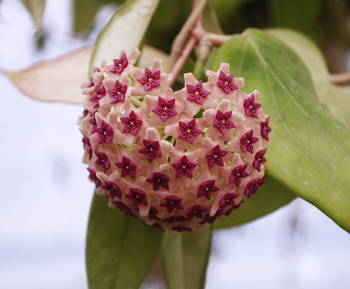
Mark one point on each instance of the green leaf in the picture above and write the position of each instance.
(270, 197)
(120, 250)
(309, 150)
(185, 258)
(36, 9)
(336, 98)
(124, 30)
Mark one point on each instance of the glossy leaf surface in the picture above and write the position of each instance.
(124, 31)
(120, 250)
(309, 150)
(336, 98)
(185, 258)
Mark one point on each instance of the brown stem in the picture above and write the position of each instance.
(340, 78)
(198, 6)
(182, 59)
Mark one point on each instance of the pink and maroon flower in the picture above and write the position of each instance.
(253, 186)
(222, 121)
(226, 82)
(120, 64)
(196, 211)
(188, 131)
(196, 93)
(113, 190)
(150, 79)
(251, 107)
(165, 109)
(104, 131)
(151, 149)
(265, 129)
(171, 203)
(215, 156)
(132, 124)
(259, 159)
(137, 196)
(237, 174)
(118, 92)
(87, 146)
(228, 200)
(93, 177)
(102, 160)
(128, 167)
(247, 141)
(159, 180)
(183, 167)
(206, 188)
(131, 149)
(100, 92)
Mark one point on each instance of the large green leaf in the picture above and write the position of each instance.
(124, 31)
(336, 98)
(309, 150)
(120, 250)
(271, 196)
(185, 258)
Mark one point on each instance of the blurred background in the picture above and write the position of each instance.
(45, 195)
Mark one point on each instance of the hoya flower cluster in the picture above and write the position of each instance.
(177, 159)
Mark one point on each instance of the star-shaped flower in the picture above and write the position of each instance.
(102, 160)
(100, 92)
(253, 186)
(251, 107)
(206, 188)
(215, 156)
(113, 190)
(226, 82)
(183, 167)
(150, 79)
(222, 121)
(259, 159)
(172, 203)
(120, 64)
(137, 196)
(151, 149)
(132, 124)
(227, 200)
(93, 177)
(159, 180)
(265, 129)
(196, 211)
(247, 141)
(165, 109)
(128, 167)
(197, 93)
(104, 131)
(118, 92)
(188, 131)
(87, 146)
(237, 174)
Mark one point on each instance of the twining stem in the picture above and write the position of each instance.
(340, 78)
(198, 6)
(182, 59)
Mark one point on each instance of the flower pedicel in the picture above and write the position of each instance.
(177, 159)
